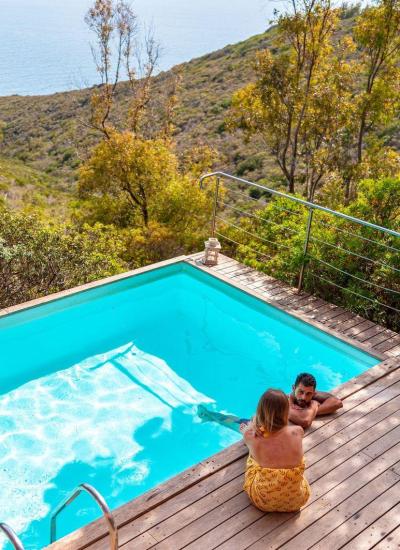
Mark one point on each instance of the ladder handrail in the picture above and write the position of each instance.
(102, 504)
(12, 536)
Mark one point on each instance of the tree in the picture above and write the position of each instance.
(127, 165)
(119, 54)
(37, 259)
(144, 176)
(377, 36)
(300, 100)
(321, 112)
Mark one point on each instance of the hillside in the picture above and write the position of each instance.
(49, 134)
(23, 186)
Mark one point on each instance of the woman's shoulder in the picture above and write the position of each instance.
(294, 431)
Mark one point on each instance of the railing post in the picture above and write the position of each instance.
(305, 249)
(213, 222)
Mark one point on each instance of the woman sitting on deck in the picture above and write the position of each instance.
(274, 477)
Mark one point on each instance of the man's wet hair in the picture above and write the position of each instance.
(306, 379)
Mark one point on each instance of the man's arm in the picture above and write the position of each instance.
(303, 417)
(328, 403)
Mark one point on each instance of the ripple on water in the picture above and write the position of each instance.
(83, 422)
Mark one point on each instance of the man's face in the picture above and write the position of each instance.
(303, 394)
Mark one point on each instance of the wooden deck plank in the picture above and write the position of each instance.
(312, 306)
(201, 493)
(383, 336)
(357, 428)
(329, 314)
(358, 329)
(257, 533)
(370, 333)
(395, 352)
(377, 447)
(381, 493)
(391, 541)
(389, 344)
(338, 321)
(325, 499)
(377, 531)
(391, 386)
(205, 523)
(186, 533)
(356, 405)
(353, 322)
(333, 455)
(356, 520)
(212, 501)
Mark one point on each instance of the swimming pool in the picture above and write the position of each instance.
(102, 386)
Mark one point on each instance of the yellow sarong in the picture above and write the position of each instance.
(276, 489)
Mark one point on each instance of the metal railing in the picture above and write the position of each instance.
(305, 227)
(11, 535)
(102, 504)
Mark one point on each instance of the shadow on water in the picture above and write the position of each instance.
(80, 512)
(159, 440)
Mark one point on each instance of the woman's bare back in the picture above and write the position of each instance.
(282, 449)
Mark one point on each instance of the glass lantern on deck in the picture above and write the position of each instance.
(212, 249)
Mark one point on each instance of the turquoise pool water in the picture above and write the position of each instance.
(103, 387)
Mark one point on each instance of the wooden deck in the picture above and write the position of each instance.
(353, 462)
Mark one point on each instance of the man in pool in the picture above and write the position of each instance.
(305, 403)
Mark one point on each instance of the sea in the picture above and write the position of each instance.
(45, 45)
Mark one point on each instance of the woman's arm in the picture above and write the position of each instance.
(250, 435)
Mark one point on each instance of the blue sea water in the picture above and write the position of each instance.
(44, 44)
(103, 386)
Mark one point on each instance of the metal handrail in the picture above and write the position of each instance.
(11, 535)
(102, 504)
(310, 205)
(311, 208)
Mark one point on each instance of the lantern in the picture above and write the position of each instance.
(212, 248)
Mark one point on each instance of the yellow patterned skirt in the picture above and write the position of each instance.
(276, 489)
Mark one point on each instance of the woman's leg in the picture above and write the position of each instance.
(227, 420)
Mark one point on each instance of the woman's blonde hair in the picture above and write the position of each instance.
(272, 411)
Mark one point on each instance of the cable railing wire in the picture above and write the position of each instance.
(250, 210)
(394, 249)
(242, 244)
(265, 203)
(374, 301)
(260, 201)
(347, 251)
(252, 234)
(293, 231)
(250, 214)
(353, 276)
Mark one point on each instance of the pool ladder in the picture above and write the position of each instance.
(11, 535)
(102, 504)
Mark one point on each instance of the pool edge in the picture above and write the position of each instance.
(88, 286)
